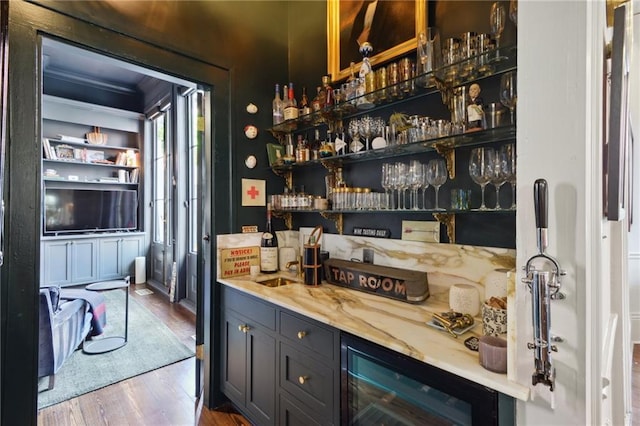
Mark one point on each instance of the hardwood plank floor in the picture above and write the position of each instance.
(165, 396)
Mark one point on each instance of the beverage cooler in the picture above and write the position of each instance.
(383, 387)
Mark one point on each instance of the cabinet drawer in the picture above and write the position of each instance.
(249, 307)
(308, 335)
(292, 414)
(311, 381)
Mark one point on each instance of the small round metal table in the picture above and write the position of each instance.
(110, 343)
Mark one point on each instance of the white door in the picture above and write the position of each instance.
(560, 133)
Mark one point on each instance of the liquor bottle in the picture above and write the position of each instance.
(278, 116)
(328, 91)
(291, 107)
(305, 108)
(268, 247)
(318, 102)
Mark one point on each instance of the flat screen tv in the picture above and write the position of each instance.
(84, 210)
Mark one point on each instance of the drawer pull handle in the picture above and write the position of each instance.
(244, 328)
(303, 379)
(301, 334)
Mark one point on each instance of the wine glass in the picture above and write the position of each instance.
(496, 19)
(353, 129)
(437, 176)
(400, 173)
(508, 155)
(509, 92)
(387, 180)
(365, 128)
(424, 186)
(513, 12)
(415, 181)
(478, 166)
(499, 173)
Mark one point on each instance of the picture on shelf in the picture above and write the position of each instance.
(64, 152)
(93, 156)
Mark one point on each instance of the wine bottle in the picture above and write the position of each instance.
(278, 116)
(268, 247)
(291, 107)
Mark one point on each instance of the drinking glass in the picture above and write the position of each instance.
(387, 180)
(437, 176)
(400, 177)
(496, 20)
(479, 170)
(415, 181)
(513, 11)
(353, 130)
(508, 154)
(509, 92)
(499, 174)
(425, 185)
(365, 128)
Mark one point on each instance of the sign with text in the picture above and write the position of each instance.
(395, 283)
(238, 261)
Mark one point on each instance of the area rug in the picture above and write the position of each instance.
(151, 345)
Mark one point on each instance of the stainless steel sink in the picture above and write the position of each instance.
(276, 282)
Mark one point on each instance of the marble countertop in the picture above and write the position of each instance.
(396, 325)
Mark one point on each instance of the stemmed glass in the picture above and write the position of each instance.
(415, 181)
(500, 171)
(480, 170)
(387, 182)
(425, 185)
(437, 176)
(365, 128)
(508, 155)
(400, 174)
(509, 92)
(355, 144)
(513, 11)
(496, 19)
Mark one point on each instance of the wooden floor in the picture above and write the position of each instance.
(162, 397)
(167, 396)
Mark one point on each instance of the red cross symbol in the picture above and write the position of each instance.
(253, 192)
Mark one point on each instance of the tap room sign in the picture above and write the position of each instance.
(238, 261)
(395, 283)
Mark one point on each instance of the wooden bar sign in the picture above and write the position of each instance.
(395, 283)
(238, 261)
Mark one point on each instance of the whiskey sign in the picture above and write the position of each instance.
(238, 261)
(395, 283)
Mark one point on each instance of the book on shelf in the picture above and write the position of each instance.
(49, 152)
(133, 176)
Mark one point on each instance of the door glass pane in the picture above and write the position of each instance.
(196, 133)
(159, 177)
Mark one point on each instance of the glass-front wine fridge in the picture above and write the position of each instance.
(384, 387)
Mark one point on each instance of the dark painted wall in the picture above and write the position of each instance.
(246, 41)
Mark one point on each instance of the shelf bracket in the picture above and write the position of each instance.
(449, 155)
(336, 218)
(288, 221)
(448, 220)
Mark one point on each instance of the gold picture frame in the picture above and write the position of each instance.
(339, 24)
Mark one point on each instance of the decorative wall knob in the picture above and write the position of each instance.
(301, 334)
(303, 379)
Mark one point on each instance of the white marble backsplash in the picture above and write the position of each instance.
(445, 264)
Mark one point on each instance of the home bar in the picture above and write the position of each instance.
(438, 248)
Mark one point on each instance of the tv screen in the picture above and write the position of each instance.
(83, 210)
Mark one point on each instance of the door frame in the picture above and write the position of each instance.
(27, 22)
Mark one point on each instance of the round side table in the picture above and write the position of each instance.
(110, 343)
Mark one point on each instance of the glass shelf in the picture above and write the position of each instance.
(395, 212)
(447, 78)
(448, 142)
(64, 180)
